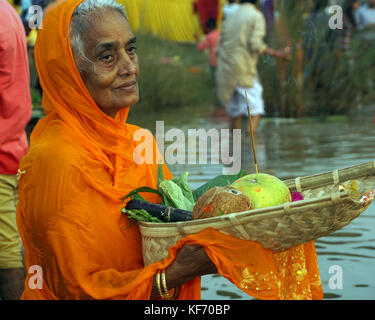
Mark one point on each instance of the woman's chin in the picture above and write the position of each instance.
(130, 100)
(127, 102)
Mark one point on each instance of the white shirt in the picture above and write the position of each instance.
(229, 8)
(365, 16)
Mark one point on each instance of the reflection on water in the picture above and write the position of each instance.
(290, 148)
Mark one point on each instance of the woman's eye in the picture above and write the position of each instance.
(107, 58)
(132, 50)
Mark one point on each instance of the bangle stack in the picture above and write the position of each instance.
(163, 287)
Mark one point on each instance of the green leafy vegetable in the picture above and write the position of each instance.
(182, 182)
(175, 194)
(165, 200)
(140, 215)
(219, 181)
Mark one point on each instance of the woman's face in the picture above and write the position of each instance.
(111, 78)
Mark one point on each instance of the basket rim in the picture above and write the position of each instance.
(262, 213)
(331, 177)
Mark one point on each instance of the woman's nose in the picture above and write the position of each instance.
(128, 65)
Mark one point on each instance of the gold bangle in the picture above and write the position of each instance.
(158, 285)
(164, 283)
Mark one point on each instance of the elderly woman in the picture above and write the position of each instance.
(80, 165)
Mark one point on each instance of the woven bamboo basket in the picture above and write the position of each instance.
(331, 201)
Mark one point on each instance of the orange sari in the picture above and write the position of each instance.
(79, 167)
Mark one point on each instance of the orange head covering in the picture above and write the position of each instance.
(66, 97)
(79, 167)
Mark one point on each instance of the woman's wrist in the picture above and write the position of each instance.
(170, 278)
(191, 262)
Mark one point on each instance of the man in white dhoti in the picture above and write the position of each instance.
(241, 43)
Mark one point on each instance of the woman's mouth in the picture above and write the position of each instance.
(128, 86)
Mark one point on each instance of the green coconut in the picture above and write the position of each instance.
(263, 190)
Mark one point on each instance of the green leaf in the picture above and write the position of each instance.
(160, 174)
(141, 189)
(137, 196)
(182, 182)
(219, 181)
(174, 193)
(165, 200)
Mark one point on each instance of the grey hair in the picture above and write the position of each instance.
(81, 22)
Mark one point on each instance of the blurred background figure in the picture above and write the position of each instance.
(241, 42)
(349, 29)
(206, 9)
(287, 36)
(319, 46)
(31, 31)
(365, 18)
(26, 13)
(15, 113)
(230, 7)
(210, 43)
(345, 50)
(25, 5)
(365, 21)
(317, 35)
(267, 7)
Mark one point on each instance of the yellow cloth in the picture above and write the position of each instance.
(10, 241)
(168, 19)
(31, 38)
(241, 42)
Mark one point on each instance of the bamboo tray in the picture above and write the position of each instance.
(327, 207)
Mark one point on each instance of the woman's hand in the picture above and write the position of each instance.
(191, 262)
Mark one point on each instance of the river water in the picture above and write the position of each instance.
(290, 148)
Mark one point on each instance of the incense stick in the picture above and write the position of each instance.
(252, 135)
